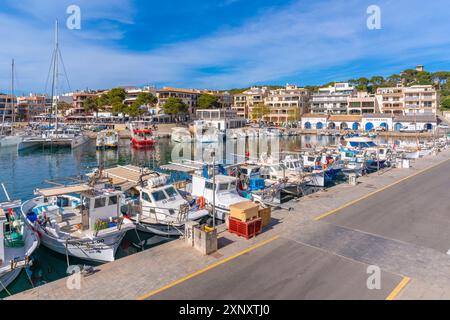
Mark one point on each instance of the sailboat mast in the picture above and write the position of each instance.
(55, 77)
(13, 106)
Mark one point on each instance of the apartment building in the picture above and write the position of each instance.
(6, 107)
(333, 99)
(244, 102)
(287, 105)
(362, 103)
(79, 98)
(420, 99)
(133, 93)
(31, 106)
(188, 96)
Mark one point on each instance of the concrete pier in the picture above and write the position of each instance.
(326, 248)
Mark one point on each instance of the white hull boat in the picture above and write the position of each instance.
(181, 135)
(10, 141)
(89, 228)
(17, 243)
(107, 139)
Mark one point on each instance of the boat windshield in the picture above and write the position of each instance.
(171, 192)
(159, 195)
(368, 144)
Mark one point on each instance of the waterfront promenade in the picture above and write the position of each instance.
(396, 220)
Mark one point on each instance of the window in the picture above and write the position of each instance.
(209, 185)
(112, 200)
(171, 192)
(159, 195)
(146, 197)
(233, 185)
(100, 203)
(223, 186)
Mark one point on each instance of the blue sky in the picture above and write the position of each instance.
(220, 43)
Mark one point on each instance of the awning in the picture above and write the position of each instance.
(128, 176)
(51, 192)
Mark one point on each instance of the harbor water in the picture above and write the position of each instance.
(22, 172)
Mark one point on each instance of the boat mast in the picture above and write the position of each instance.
(13, 106)
(55, 78)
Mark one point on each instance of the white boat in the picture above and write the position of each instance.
(158, 208)
(232, 134)
(88, 227)
(204, 133)
(241, 133)
(181, 135)
(107, 139)
(10, 141)
(17, 243)
(224, 195)
(273, 132)
(61, 137)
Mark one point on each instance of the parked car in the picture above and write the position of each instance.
(443, 126)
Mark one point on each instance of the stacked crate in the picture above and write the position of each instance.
(244, 219)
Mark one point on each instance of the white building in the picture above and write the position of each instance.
(314, 121)
(221, 119)
(286, 105)
(418, 122)
(333, 99)
(374, 121)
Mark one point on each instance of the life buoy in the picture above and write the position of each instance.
(200, 202)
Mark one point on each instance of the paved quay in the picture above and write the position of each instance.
(395, 220)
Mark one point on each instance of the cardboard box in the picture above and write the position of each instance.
(266, 216)
(244, 211)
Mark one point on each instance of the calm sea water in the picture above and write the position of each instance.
(22, 172)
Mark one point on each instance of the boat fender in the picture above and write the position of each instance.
(200, 202)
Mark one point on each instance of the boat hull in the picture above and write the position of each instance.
(159, 229)
(10, 141)
(99, 249)
(141, 144)
(7, 278)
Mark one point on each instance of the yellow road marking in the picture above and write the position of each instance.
(398, 288)
(263, 243)
(377, 191)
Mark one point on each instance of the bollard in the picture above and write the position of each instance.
(352, 179)
(406, 164)
(189, 232)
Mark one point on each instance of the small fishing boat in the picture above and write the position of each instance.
(17, 242)
(205, 133)
(151, 202)
(223, 195)
(181, 135)
(141, 138)
(82, 220)
(107, 139)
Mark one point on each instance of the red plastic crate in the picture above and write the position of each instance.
(247, 229)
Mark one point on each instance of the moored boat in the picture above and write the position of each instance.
(17, 243)
(88, 226)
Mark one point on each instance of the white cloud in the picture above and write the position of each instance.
(278, 44)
